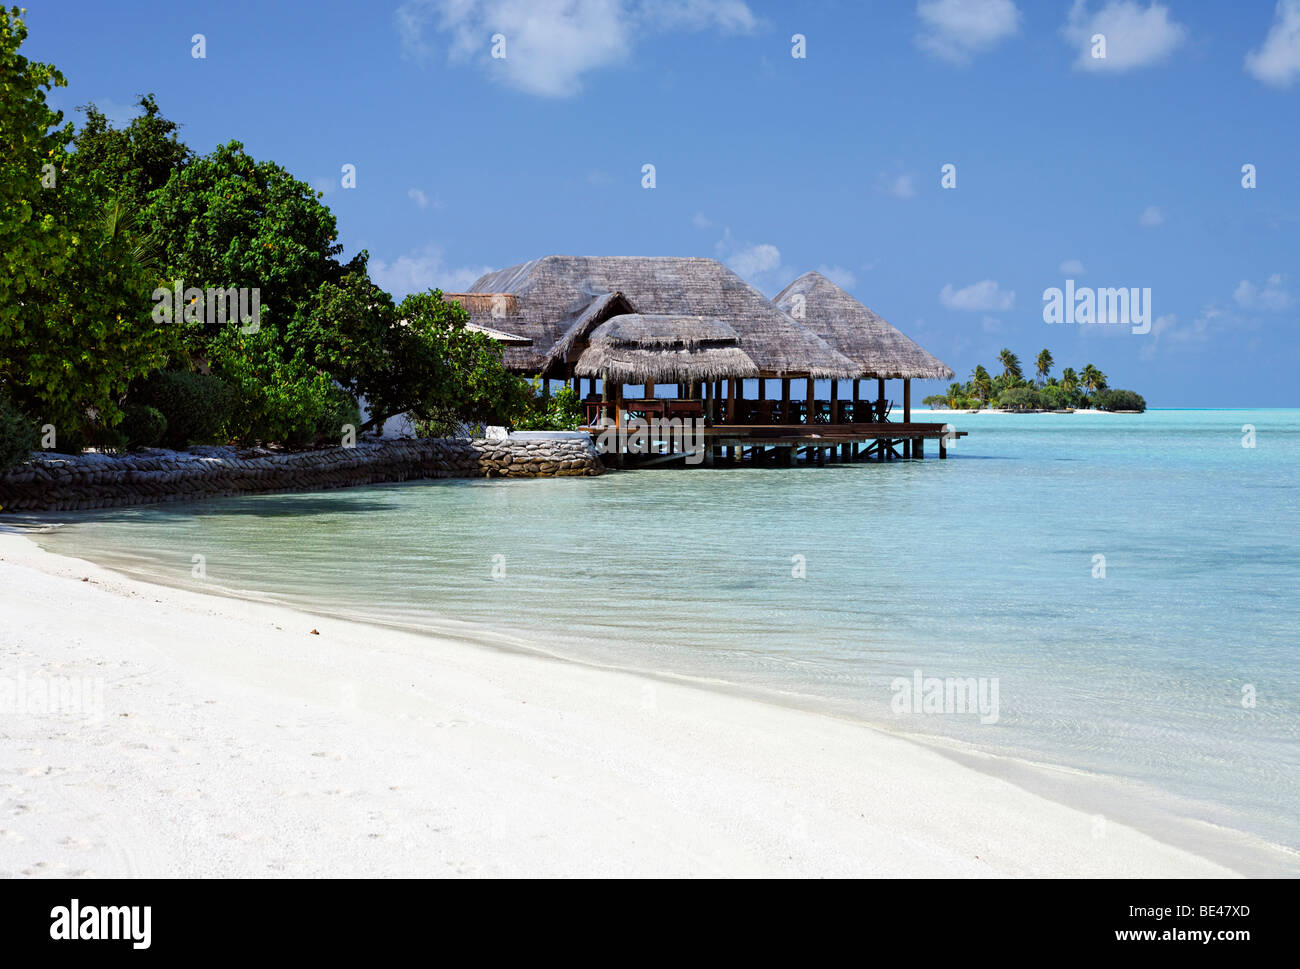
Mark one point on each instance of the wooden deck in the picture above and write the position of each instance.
(781, 443)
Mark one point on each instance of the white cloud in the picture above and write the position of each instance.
(419, 197)
(551, 44)
(701, 221)
(1151, 217)
(991, 324)
(1072, 267)
(955, 30)
(1277, 62)
(840, 276)
(423, 269)
(1165, 329)
(1272, 296)
(758, 263)
(755, 260)
(1136, 36)
(985, 296)
(900, 186)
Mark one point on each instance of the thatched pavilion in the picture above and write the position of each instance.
(876, 348)
(695, 323)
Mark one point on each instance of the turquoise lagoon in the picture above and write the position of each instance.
(1165, 693)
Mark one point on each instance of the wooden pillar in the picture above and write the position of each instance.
(649, 390)
(618, 423)
(546, 388)
(731, 400)
(835, 401)
(880, 392)
(907, 414)
(918, 449)
(857, 412)
(785, 400)
(811, 400)
(943, 447)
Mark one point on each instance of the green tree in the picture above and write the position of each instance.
(1043, 365)
(133, 162)
(1121, 400)
(448, 373)
(75, 326)
(1021, 398)
(231, 221)
(1010, 365)
(1093, 379)
(981, 384)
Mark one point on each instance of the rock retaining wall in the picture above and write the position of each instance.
(58, 482)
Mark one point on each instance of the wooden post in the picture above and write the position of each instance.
(546, 388)
(943, 447)
(785, 400)
(918, 449)
(857, 412)
(907, 414)
(618, 423)
(880, 394)
(649, 390)
(731, 400)
(811, 400)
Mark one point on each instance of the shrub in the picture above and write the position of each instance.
(562, 412)
(340, 408)
(196, 406)
(1020, 398)
(144, 426)
(110, 439)
(72, 441)
(1054, 397)
(1120, 400)
(17, 435)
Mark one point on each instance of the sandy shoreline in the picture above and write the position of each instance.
(226, 739)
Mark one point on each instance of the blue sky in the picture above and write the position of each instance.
(1116, 171)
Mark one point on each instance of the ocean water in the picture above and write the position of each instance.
(1127, 584)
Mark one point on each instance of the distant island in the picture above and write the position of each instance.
(1011, 390)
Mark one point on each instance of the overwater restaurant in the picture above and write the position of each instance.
(665, 338)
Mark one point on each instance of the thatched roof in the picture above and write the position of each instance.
(634, 348)
(878, 349)
(561, 299)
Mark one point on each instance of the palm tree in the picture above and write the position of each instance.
(981, 383)
(1044, 365)
(1069, 379)
(1010, 364)
(1093, 379)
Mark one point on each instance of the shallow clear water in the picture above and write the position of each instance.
(979, 566)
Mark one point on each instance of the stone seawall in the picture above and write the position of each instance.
(59, 482)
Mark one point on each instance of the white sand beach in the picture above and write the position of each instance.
(232, 741)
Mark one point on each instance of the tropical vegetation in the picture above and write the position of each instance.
(115, 242)
(1010, 390)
